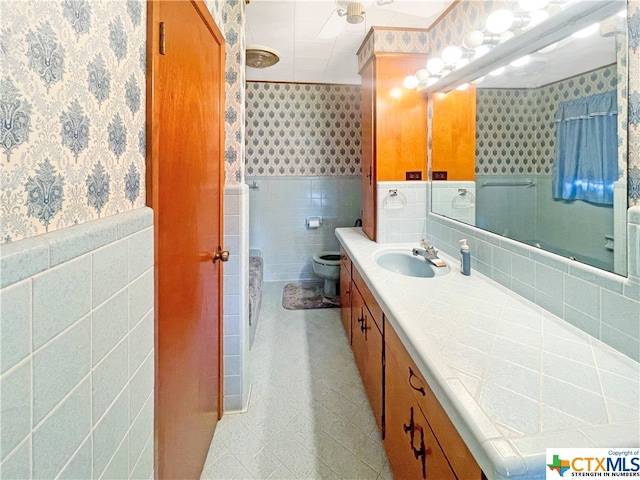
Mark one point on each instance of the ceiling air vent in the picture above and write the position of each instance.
(259, 56)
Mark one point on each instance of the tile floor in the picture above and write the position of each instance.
(308, 415)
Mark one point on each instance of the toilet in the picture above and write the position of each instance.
(326, 264)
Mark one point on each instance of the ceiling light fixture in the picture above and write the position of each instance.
(355, 13)
(259, 56)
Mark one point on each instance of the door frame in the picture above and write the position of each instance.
(152, 170)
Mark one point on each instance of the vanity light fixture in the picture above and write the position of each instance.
(497, 72)
(476, 38)
(422, 75)
(502, 20)
(462, 87)
(435, 65)
(451, 54)
(411, 82)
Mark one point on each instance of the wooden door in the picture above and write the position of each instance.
(185, 176)
(367, 163)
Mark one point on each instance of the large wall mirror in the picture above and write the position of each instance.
(548, 118)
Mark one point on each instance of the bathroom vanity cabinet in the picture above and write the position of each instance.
(419, 438)
(414, 420)
(394, 127)
(367, 343)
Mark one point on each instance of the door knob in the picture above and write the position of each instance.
(222, 255)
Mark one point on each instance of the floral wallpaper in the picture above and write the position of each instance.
(72, 113)
(303, 129)
(234, 155)
(515, 131)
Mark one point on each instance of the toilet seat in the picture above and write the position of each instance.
(329, 257)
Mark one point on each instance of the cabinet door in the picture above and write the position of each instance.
(410, 444)
(456, 451)
(345, 293)
(366, 342)
(368, 151)
(400, 119)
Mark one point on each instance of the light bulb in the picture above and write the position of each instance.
(422, 75)
(410, 82)
(497, 72)
(499, 21)
(585, 32)
(464, 86)
(473, 39)
(521, 61)
(451, 55)
(532, 5)
(435, 65)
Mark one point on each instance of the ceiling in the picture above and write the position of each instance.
(292, 27)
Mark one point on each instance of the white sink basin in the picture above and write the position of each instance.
(405, 263)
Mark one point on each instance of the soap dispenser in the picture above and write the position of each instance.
(465, 257)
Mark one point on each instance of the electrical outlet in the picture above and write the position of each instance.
(413, 175)
(439, 175)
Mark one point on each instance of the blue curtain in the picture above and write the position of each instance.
(586, 157)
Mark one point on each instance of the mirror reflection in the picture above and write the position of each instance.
(547, 166)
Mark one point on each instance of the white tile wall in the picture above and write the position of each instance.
(455, 199)
(236, 298)
(76, 312)
(401, 217)
(605, 305)
(278, 210)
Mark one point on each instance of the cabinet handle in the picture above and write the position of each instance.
(369, 175)
(423, 451)
(364, 327)
(419, 389)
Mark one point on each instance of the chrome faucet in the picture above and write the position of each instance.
(429, 253)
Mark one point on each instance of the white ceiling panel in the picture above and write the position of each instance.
(292, 28)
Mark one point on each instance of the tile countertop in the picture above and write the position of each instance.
(514, 378)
